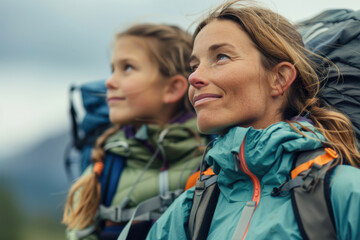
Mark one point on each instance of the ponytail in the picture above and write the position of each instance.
(81, 214)
(336, 128)
(338, 131)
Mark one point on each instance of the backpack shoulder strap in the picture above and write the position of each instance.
(156, 203)
(310, 193)
(311, 201)
(114, 164)
(204, 204)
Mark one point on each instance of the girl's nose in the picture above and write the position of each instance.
(197, 81)
(111, 83)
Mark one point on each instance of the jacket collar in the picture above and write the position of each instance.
(269, 154)
(178, 141)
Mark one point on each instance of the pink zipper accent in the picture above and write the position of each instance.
(256, 183)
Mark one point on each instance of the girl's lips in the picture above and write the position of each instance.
(204, 98)
(112, 99)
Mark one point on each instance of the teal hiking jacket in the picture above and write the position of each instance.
(269, 154)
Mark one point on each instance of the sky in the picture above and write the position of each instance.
(46, 46)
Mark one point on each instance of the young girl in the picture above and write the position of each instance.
(154, 132)
(253, 84)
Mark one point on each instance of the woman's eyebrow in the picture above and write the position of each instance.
(193, 57)
(214, 47)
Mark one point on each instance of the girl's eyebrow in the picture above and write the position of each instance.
(121, 60)
(213, 48)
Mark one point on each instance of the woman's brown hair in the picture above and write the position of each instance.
(170, 47)
(278, 40)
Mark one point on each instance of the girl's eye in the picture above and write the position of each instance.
(221, 57)
(128, 67)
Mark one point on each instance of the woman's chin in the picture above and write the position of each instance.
(211, 129)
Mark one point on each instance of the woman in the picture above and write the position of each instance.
(154, 131)
(253, 84)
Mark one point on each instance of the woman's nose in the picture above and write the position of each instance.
(197, 81)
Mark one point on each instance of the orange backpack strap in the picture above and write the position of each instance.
(320, 160)
(209, 172)
(191, 182)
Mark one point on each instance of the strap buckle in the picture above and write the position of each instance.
(311, 177)
(167, 198)
(278, 191)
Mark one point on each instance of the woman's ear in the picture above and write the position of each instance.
(284, 76)
(176, 88)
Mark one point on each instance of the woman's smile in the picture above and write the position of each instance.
(205, 97)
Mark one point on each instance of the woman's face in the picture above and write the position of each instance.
(228, 86)
(135, 89)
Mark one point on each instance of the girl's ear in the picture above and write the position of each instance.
(176, 88)
(284, 76)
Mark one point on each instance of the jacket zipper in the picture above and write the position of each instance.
(256, 183)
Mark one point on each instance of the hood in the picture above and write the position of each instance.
(269, 154)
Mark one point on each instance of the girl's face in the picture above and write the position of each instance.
(135, 89)
(229, 84)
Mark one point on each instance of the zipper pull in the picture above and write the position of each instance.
(236, 162)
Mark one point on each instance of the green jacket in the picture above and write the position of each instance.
(269, 154)
(182, 152)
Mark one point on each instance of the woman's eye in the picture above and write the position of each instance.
(193, 68)
(221, 57)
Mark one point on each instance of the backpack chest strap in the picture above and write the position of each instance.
(244, 220)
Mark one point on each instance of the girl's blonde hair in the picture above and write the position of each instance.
(170, 47)
(278, 40)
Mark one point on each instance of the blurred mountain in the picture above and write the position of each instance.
(36, 177)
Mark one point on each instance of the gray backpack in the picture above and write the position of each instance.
(310, 196)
